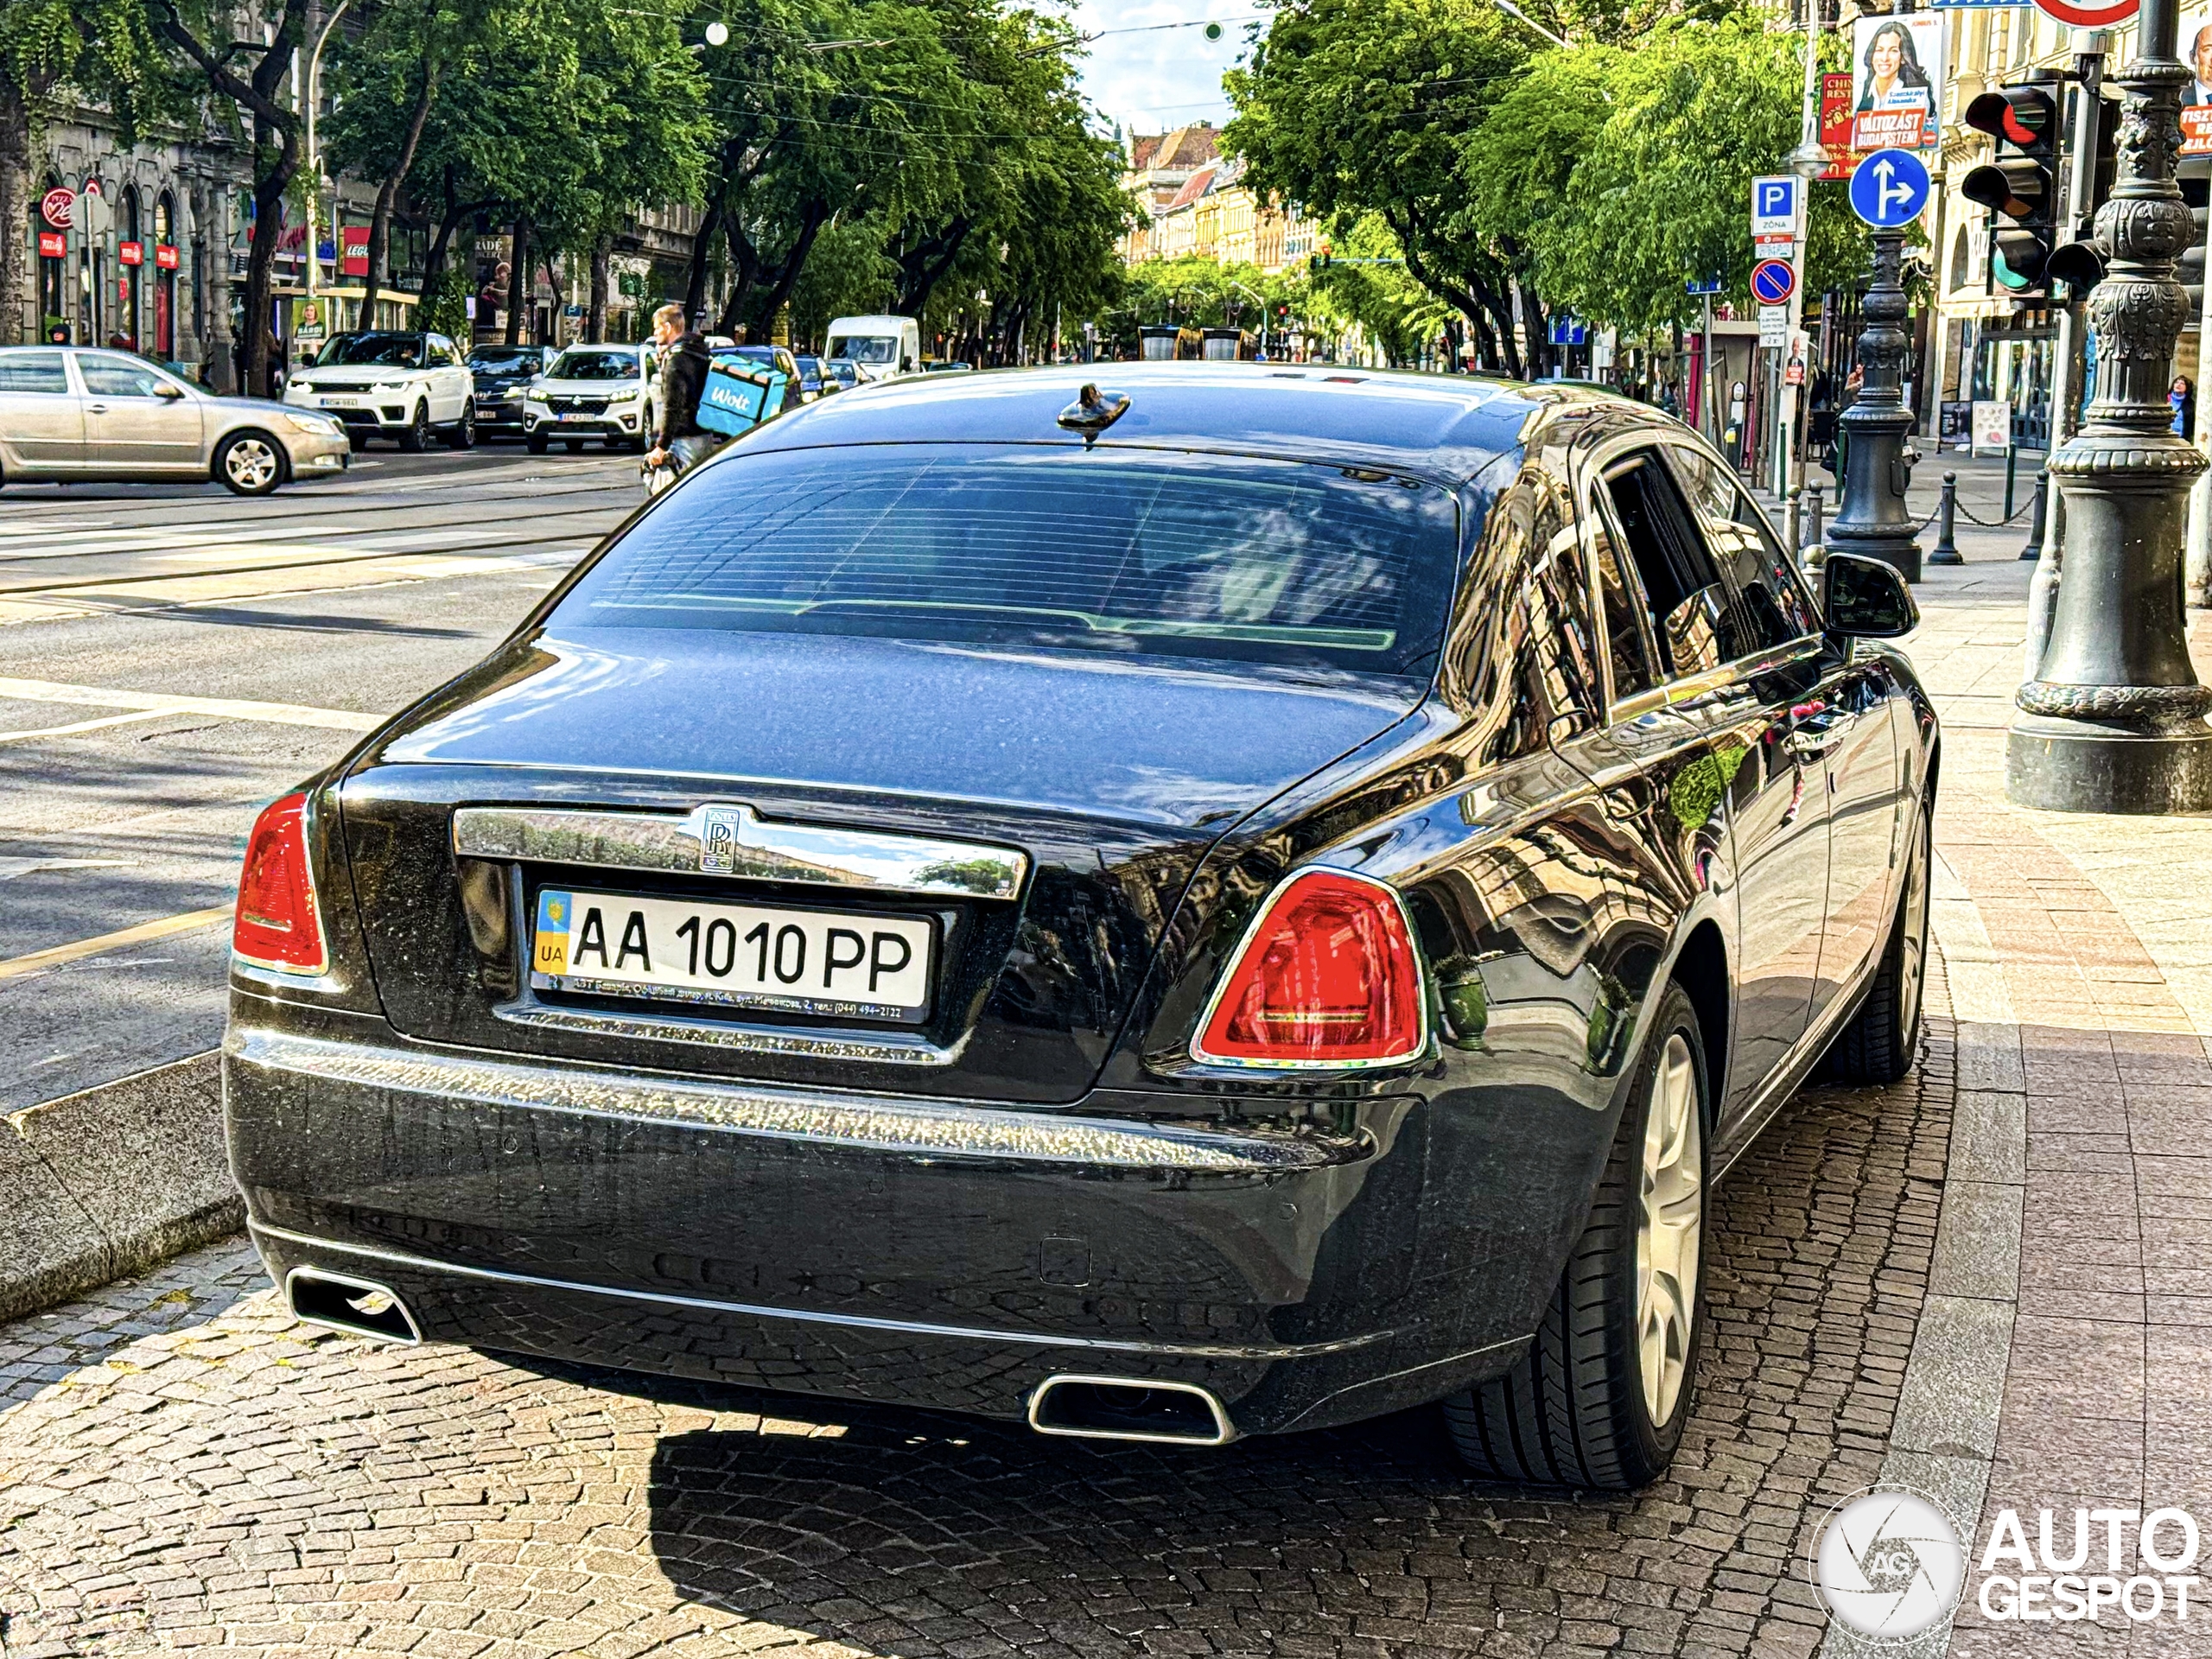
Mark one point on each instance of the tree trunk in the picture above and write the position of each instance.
(744, 271)
(595, 309)
(268, 224)
(1536, 326)
(380, 220)
(702, 248)
(519, 283)
(16, 290)
(779, 291)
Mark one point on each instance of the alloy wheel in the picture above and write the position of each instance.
(250, 464)
(1669, 1229)
(1912, 957)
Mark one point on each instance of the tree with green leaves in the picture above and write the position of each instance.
(101, 50)
(1622, 170)
(244, 83)
(1352, 107)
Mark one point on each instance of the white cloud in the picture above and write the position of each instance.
(1151, 79)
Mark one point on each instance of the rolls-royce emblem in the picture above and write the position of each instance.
(719, 839)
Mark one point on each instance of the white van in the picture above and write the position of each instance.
(879, 347)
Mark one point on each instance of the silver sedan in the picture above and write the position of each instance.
(70, 414)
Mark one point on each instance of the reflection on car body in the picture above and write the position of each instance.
(1363, 913)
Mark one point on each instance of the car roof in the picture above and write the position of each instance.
(1448, 427)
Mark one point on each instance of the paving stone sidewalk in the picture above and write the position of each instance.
(2074, 1270)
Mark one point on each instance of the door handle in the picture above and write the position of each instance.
(96, 409)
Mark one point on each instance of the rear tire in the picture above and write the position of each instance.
(1599, 1400)
(415, 436)
(1883, 1039)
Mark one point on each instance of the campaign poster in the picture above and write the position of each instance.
(2197, 112)
(1897, 66)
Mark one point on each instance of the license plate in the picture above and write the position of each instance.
(341, 402)
(573, 415)
(740, 956)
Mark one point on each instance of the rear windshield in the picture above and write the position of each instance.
(1184, 555)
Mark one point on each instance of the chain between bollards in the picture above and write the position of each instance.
(2033, 551)
(1947, 540)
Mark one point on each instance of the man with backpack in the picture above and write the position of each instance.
(680, 443)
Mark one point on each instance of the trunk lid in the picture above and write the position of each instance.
(1109, 776)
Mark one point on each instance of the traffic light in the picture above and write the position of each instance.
(2020, 187)
(2080, 263)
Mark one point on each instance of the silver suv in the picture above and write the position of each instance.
(69, 415)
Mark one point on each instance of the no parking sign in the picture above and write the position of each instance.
(1773, 281)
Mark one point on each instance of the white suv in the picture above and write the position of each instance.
(398, 385)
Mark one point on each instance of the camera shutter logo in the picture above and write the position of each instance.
(1888, 1563)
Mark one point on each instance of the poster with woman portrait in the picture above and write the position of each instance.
(1897, 66)
(2196, 108)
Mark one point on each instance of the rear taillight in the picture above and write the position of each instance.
(276, 926)
(1326, 977)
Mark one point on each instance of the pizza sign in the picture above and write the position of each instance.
(58, 209)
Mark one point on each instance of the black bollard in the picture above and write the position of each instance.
(2036, 505)
(1947, 540)
(1809, 553)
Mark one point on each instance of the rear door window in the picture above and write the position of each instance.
(1688, 602)
(34, 372)
(1770, 604)
(1229, 557)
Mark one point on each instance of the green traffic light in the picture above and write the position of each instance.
(2005, 275)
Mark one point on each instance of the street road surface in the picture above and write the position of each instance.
(171, 657)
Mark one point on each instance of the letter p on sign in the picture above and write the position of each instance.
(1774, 206)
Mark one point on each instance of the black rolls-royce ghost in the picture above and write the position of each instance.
(1233, 900)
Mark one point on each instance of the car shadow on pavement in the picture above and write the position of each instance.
(896, 1530)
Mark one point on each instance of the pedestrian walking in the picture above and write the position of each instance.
(680, 443)
(2181, 399)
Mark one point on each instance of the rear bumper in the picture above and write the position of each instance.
(871, 1248)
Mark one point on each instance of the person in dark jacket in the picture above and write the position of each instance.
(680, 439)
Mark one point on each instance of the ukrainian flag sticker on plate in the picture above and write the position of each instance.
(550, 953)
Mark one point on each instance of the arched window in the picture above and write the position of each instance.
(1961, 261)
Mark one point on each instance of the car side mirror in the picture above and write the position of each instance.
(1865, 599)
(169, 393)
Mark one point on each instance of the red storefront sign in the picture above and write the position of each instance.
(131, 253)
(356, 249)
(1835, 125)
(165, 255)
(52, 245)
(58, 208)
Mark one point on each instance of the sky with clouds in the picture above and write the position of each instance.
(1152, 78)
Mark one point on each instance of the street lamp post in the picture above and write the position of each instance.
(1872, 518)
(2114, 721)
(315, 153)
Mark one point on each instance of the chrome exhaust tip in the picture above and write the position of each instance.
(1127, 1409)
(357, 1307)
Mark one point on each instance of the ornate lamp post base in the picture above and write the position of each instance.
(1871, 519)
(2114, 720)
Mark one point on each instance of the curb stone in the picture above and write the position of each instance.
(105, 1183)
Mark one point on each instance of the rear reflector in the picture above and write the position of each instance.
(1326, 977)
(276, 925)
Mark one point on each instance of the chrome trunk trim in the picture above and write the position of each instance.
(856, 1122)
(729, 838)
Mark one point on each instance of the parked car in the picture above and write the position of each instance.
(405, 386)
(948, 365)
(1274, 913)
(776, 357)
(593, 391)
(69, 415)
(811, 380)
(502, 373)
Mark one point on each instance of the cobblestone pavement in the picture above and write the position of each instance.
(183, 1466)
